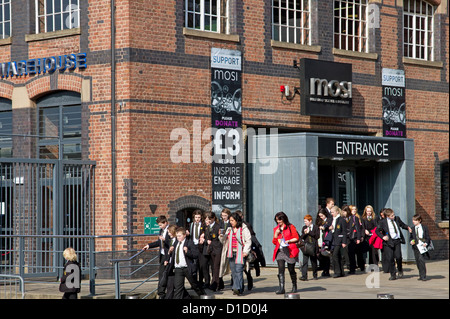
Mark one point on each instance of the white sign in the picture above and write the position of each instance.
(226, 59)
(392, 77)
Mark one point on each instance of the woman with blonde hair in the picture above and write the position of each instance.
(71, 279)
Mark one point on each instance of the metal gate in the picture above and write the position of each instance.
(44, 197)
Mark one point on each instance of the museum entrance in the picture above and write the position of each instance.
(348, 182)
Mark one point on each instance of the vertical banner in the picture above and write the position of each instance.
(226, 119)
(394, 105)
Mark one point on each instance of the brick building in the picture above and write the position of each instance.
(56, 59)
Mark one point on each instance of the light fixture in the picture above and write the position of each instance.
(383, 160)
(337, 158)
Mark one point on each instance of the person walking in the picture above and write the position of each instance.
(354, 230)
(237, 243)
(339, 230)
(325, 242)
(370, 222)
(420, 241)
(213, 248)
(70, 282)
(310, 234)
(285, 237)
(389, 230)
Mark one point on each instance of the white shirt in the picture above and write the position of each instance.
(164, 234)
(195, 225)
(182, 259)
(334, 223)
(392, 230)
(419, 232)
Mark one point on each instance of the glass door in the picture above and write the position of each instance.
(345, 186)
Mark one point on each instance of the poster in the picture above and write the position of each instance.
(226, 120)
(393, 102)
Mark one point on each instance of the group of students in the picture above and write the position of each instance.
(341, 237)
(203, 253)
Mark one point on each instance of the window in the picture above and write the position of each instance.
(5, 19)
(60, 115)
(5, 127)
(350, 25)
(418, 30)
(207, 15)
(55, 15)
(291, 21)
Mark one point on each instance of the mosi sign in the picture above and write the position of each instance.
(333, 88)
(326, 88)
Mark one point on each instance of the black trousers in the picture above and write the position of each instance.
(215, 265)
(325, 263)
(355, 255)
(178, 283)
(393, 254)
(420, 262)
(305, 265)
(339, 255)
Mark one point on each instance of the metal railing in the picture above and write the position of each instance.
(117, 275)
(9, 285)
(95, 264)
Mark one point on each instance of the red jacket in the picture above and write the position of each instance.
(375, 241)
(288, 233)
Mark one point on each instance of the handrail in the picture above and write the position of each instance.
(117, 272)
(22, 284)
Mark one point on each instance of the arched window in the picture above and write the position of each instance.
(5, 127)
(59, 116)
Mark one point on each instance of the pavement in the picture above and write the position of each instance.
(361, 285)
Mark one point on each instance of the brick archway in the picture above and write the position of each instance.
(185, 202)
(53, 82)
(6, 90)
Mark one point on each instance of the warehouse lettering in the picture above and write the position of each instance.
(365, 148)
(43, 65)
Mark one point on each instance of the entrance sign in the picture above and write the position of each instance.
(345, 148)
(325, 88)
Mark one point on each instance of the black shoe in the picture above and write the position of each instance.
(392, 277)
(221, 284)
(325, 274)
(400, 274)
(303, 278)
(213, 287)
(351, 272)
(337, 276)
(236, 292)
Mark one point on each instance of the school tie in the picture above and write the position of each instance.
(417, 233)
(177, 258)
(395, 227)
(196, 231)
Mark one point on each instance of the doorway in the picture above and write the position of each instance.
(348, 182)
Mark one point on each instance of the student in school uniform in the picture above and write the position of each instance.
(310, 233)
(165, 285)
(339, 245)
(213, 248)
(195, 232)
(420, 241)
(389, 230)
(163, 243)
(182, 262)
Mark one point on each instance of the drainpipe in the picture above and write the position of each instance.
(113, 125)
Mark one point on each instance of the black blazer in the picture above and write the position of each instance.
(192, 232)
(73, 287)
(354, 229)
(340, 232)
(426, 235)
(190, 256)
(213, 236)
(383, 229)
(312, 236)
(165, 245)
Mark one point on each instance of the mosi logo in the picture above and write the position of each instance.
(332, 88)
